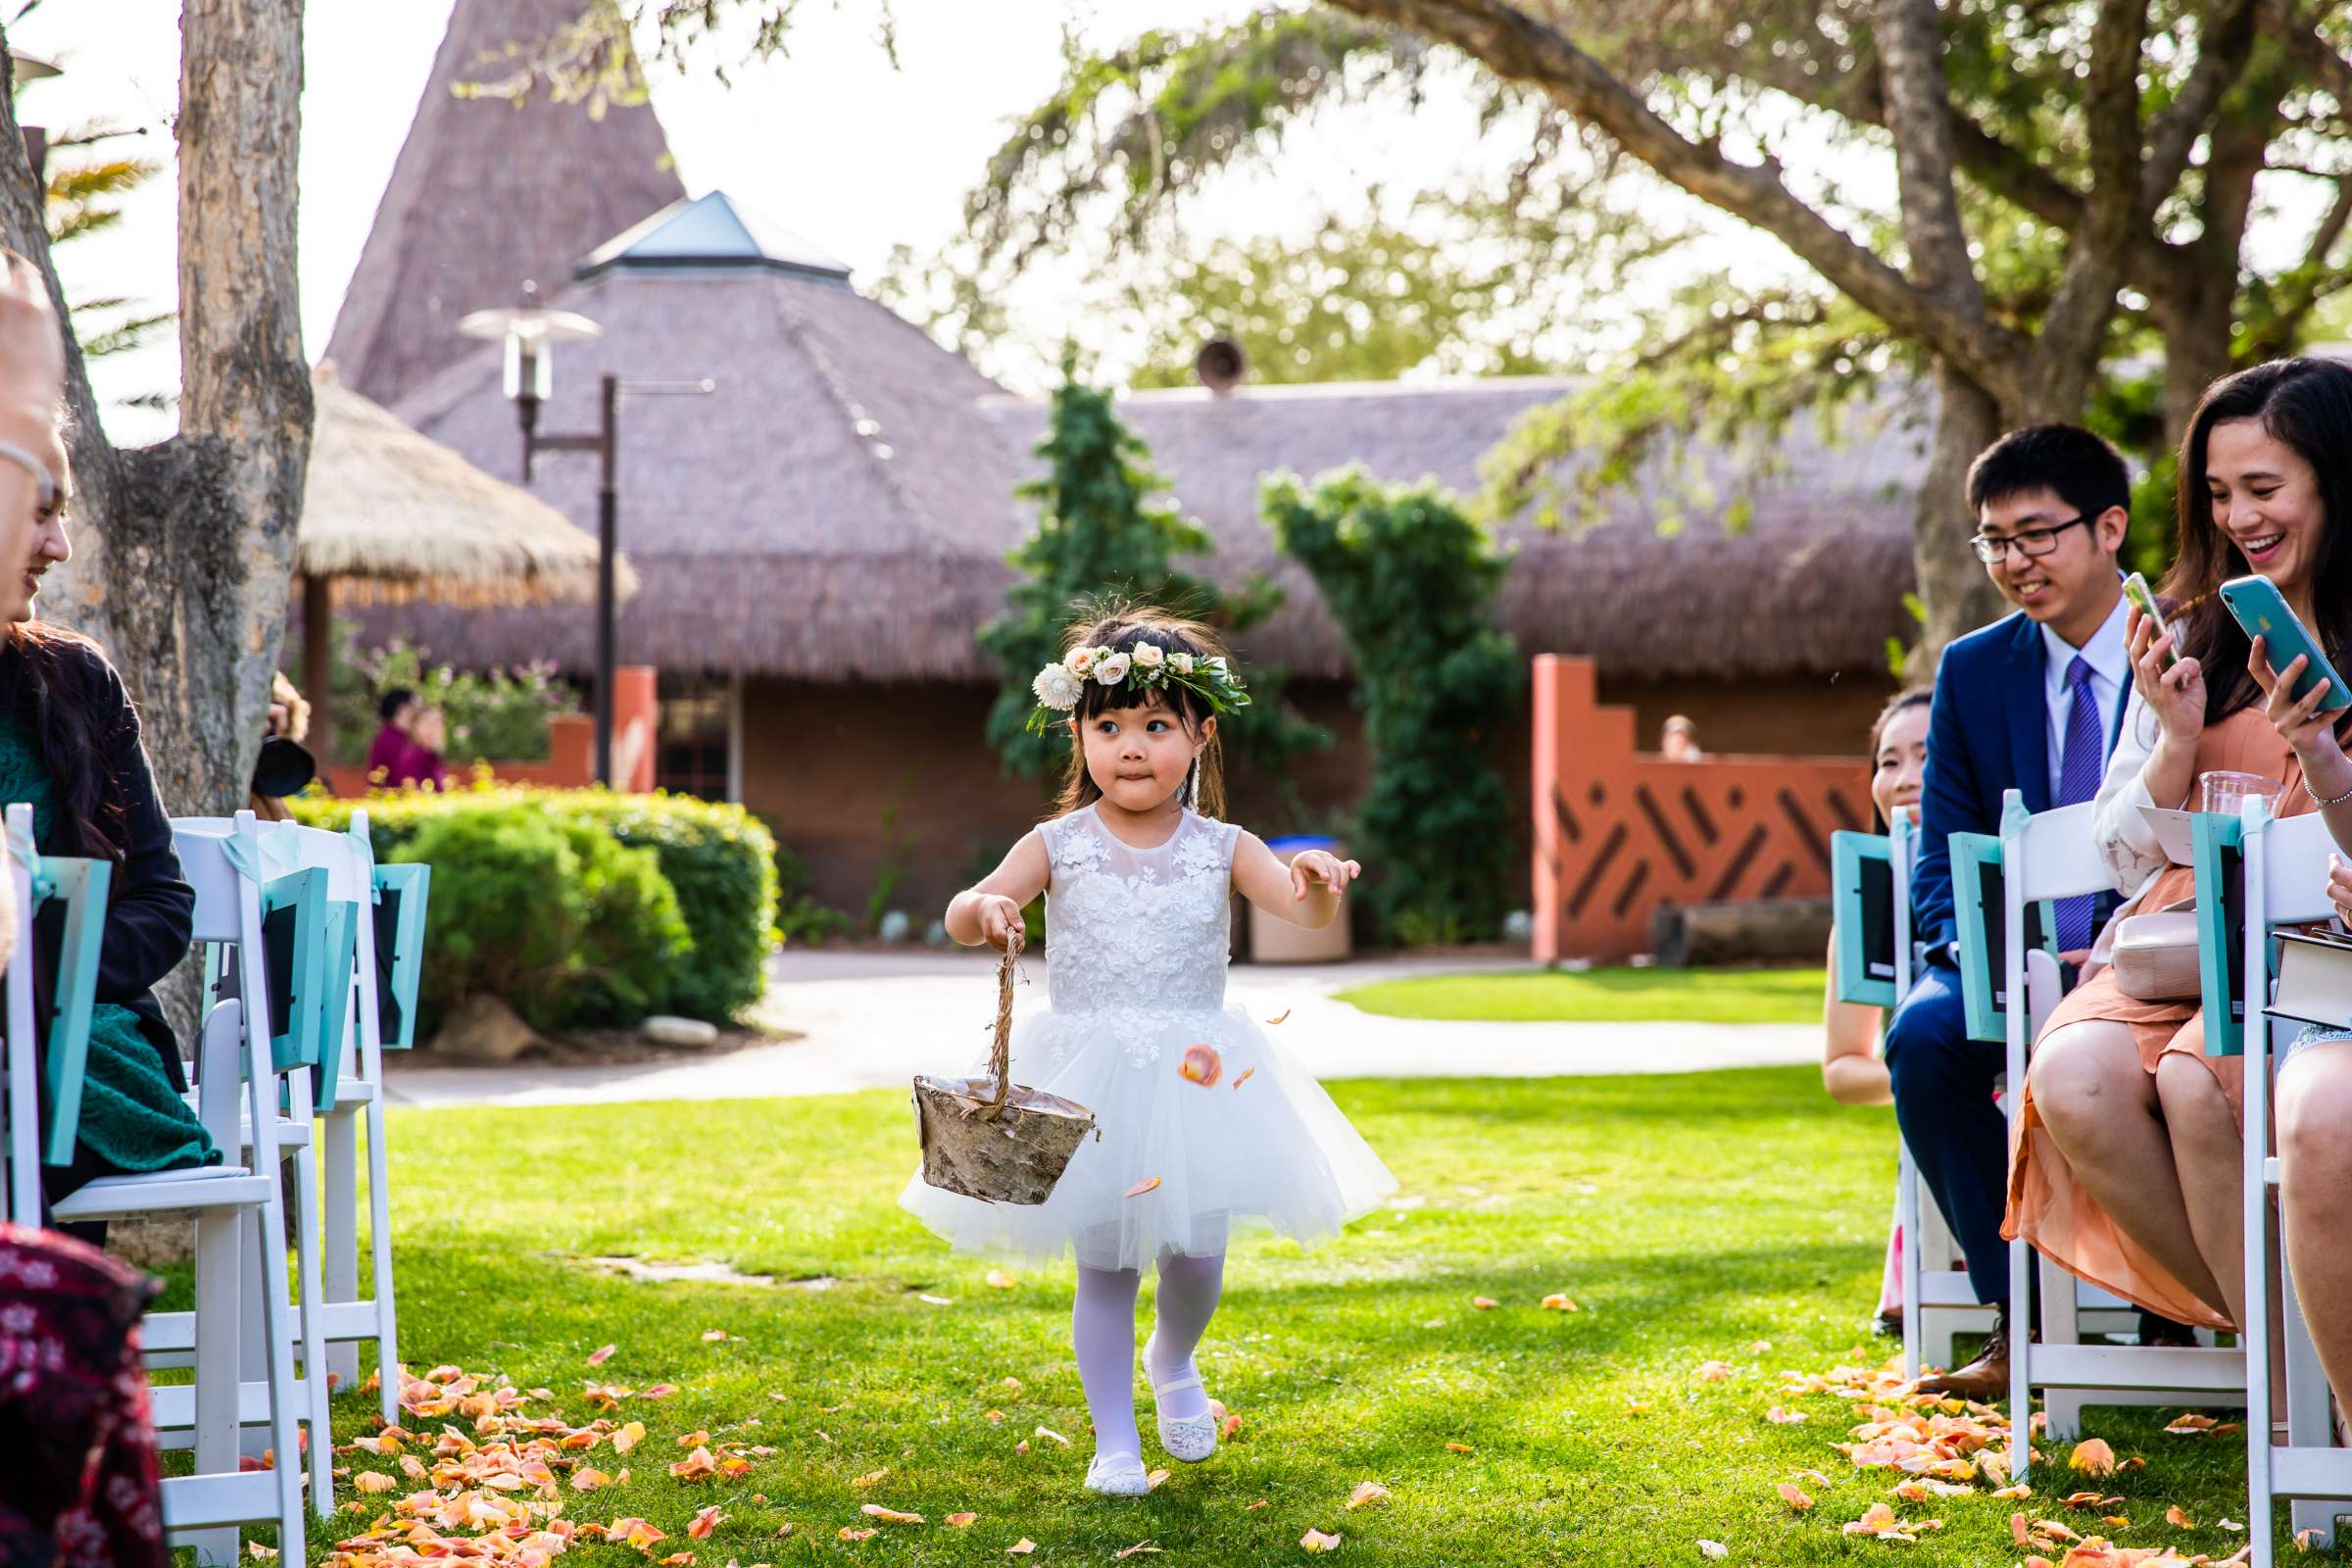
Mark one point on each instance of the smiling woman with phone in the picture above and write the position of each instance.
(2127, 1170)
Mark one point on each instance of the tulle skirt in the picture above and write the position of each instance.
(1263, 1147)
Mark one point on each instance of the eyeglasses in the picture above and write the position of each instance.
(2028, 542)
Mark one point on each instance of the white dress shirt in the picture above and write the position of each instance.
(2110, 671)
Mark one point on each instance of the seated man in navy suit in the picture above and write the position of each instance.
(2031, 703)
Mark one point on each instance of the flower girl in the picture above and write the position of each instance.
(1205, 1125)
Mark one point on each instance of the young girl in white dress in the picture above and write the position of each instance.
(1207, 1125)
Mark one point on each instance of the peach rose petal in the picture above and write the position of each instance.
(1021, 1548)
(961, 1521)
(1459, 1447)
(998, 1280)
(889, 1516)
(2179, 1518)
(1366, 1493)
(873, 1478)
(2092, 1457)
(1780, 1416)
(1151, 1481)
(1556, 1302)
(1245, 1075)
(1147, 1185)
(598, 1358)
(1317, 1540)
(1202, 1065)
(1715, 1371)
(706, 1520)
(868, 1534)
(2012, 1494)
(371, 1480)
(1794, 1496)
(1485, 1304)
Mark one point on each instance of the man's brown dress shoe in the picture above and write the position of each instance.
(1984, 1379)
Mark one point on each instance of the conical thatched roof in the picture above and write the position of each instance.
(838, 508)
(487, 193)
(394, 519)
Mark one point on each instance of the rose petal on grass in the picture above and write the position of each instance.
(2306, 1541)
(584, 1480)
(693, 1440)
(696, 1465)
(1713, 1551)
(597, 1357)
(2092, 1457)
(868, 1534)
(1138, 1547)
(1485, 1304)
(1021, 1446)
(2189, 1424)
(1252, 1508)
(1317, 1540)
(2056, 1531)
(889, 1516)
(628, 1437)
(260, 1553)
(2178, 1517)
(1011, 1385)
(1795, 1498)
(2021, 1490)
(936, 1301)
(994, 1417)
(1151, 1481)
(1147, 1185)
(1366, 1493)
(2017, 1530)
(706, 1520)
(1459, 1447)
(371, 1480)
(998, 1280)
(961, 1521)
(1715, 1371)
(1556, 1302)
(1780, 1416)
(1021, 1548)
(1200, 1066)
(2230, 1525)
(1051, 1435)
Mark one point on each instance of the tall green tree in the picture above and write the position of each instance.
(2073, 181)
(1106, 531)
(1411, 582)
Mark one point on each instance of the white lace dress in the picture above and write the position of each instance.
(1136, 943)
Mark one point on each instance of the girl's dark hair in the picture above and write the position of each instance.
(1125, 628)
(1909, 697)
(56, 686)
(2306, 405)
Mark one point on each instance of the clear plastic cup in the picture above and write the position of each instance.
(2226, 792)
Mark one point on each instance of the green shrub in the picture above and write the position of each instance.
(683, 921)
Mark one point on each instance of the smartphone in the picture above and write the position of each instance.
(2261, 610)
(2143, 600)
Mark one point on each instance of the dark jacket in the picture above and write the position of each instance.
(149, 910)
(1987, 732)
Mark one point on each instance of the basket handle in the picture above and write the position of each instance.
(1000, 1053)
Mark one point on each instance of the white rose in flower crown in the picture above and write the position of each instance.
(1181, 663)
(1218, 664)
(1078, 660)
(1112, 669)
(1058, 688)
(1150, 656)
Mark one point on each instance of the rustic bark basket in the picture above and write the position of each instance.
(990, 1139)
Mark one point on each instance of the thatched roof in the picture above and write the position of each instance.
(1814, 588)
(394, 518)
(836, 508)
(485, 194)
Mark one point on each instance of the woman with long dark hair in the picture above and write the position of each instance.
(70, 747)
(2127, 1168)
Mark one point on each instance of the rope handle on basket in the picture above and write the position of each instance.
(1000, 1053)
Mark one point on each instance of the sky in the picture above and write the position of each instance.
(831, 141)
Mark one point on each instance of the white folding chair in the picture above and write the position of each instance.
(1937, 1300)
(2049, 855)
(2286, 883)
(238, 1081)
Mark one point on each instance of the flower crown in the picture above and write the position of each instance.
(1142, 667)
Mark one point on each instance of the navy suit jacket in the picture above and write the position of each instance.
(1987, 732)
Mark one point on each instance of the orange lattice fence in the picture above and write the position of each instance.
(1620, 832)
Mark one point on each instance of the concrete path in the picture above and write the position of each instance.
(873, 1020)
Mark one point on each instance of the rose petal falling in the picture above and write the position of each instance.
(1202, 1065)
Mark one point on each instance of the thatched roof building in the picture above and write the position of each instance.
(1813, 587)
(836, 508)
(488, 191)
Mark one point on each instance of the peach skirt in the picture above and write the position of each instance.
(2048, 1205)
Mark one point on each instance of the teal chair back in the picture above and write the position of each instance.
(1978, 908)
(43, 1089)
(400, 896)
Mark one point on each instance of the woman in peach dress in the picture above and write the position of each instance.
(2126, 1165)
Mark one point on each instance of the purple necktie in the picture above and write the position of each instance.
(2080, 767)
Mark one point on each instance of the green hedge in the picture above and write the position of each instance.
(581, 907)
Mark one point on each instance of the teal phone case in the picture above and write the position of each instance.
(2261, 610)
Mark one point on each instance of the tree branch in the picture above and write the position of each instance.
(1517, 46)
(2077, 320)
(2225, 42)
(1919, 113)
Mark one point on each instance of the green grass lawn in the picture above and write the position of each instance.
(1601, 996)
(1692, 1218)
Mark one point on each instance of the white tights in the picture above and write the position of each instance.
(1102, 1330)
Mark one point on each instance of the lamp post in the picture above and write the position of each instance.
(531, 332)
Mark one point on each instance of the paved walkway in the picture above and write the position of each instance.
(873, 1020)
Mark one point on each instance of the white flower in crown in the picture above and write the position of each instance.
(1058, 688)
(1079, 661)
(1218, 664)
(1150, 656)
(1113, 668)
(1181, 663)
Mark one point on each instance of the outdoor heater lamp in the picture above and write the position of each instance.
(531, 332)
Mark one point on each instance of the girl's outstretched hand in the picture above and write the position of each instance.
(1311, 866)
(1000, 918)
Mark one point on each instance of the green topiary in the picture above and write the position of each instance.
(1411, 582)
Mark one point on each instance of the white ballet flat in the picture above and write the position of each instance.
(1118, 1475)
(1189, 1438)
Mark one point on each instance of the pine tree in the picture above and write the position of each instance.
(1107, 529)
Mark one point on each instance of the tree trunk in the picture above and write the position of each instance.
(184, 551)
(1952, 584)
